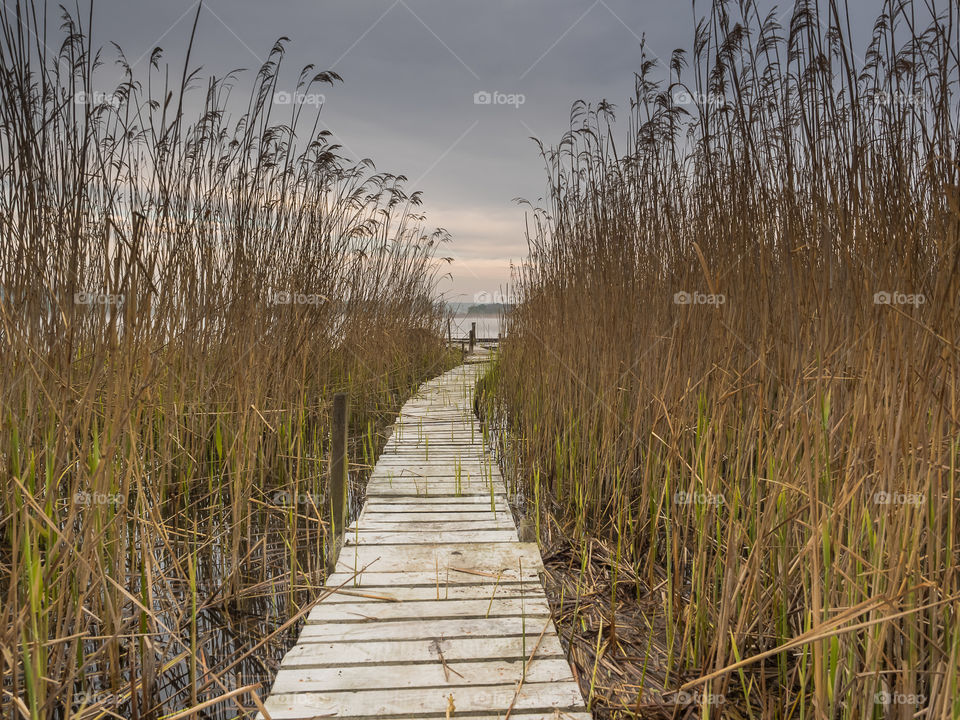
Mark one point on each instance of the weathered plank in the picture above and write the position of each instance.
(361, 610)
(435, 521)
(554, 714)
(465, 504)
(440, 471)
(451, 492)
(448, 576)
(399, 593)
(420, 537)
(451, 481)
(421, 650)
(422, 558)
(421, 702)
(529, 625)
(427, 675)
(462, 504)
(438, 485)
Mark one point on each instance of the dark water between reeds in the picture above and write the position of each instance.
(488, 326)
(239, 604)
(238, 607)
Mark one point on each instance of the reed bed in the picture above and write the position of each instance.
(730, 391)
(181, 294)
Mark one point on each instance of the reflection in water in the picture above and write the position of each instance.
(241, 608)
(488, 326)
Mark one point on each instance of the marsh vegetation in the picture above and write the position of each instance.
(731, 383)
(181, 294)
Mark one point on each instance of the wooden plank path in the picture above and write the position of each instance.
(442, 609)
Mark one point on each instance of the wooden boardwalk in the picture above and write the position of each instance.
(446, 613)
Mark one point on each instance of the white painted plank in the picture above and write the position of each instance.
(398, 593)
(395, 462)
(418, 511)
(522, 715)
(391, 509)
(413, 493)
(424, 675)
(463, 505)
(423, 558)
(429, 578)
(451, 479)
(472, 482)
(436, 452)
(344, 654)
(473, 699)
(363, 610)
(422, 537)
(439, 470)
(396, 466)
(434, 521)
(417, 629)
(436, 504)
(438, 444)
(450, 483)
(450, 432)
(452, 492)
(395, 459)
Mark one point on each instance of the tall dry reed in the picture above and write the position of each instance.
(736, 361)
(181, 293)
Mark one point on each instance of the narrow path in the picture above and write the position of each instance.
(447, 607)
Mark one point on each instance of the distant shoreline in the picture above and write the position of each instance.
(479, 309)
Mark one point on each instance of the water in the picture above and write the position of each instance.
(488, 326)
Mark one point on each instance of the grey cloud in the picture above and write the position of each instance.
(408, 90)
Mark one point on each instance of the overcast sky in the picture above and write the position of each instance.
(411, 70)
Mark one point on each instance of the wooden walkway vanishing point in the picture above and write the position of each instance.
(447, 614)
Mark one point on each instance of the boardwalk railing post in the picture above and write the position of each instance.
(473, 335)
(338, 478)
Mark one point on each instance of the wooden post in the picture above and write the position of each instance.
(449, 332)
(473, 335)
(338, 478)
